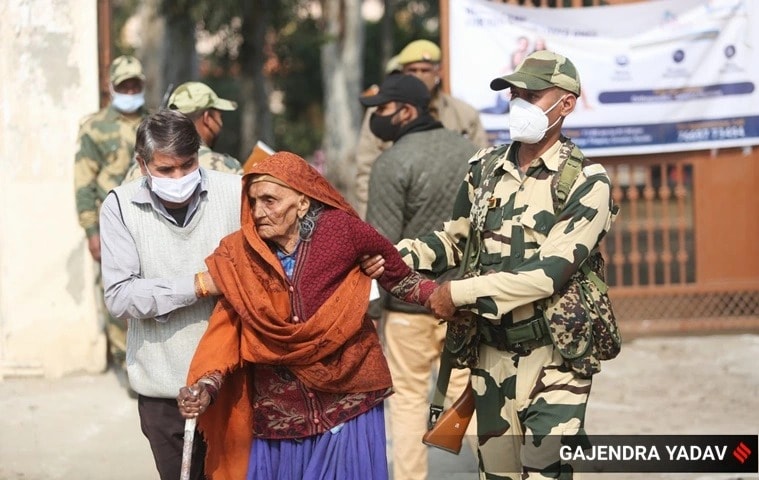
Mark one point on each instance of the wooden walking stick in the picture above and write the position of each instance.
(189, 437)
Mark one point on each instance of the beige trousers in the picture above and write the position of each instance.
(412, 345)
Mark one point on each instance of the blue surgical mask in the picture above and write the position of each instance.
(127, 103)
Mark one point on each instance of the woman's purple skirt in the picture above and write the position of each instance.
(358, 450)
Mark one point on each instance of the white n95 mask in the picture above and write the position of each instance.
(527, 122)
(175, 190)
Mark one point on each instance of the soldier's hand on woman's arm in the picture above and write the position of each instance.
(373, 267)
(440, 302)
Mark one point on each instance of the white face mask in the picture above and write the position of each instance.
(527, 122)
(126, 103)
(175, 190)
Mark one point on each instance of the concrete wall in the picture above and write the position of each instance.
(48, 66)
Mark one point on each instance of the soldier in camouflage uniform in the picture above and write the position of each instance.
(201, 104)
(105, 147)
(527, 398)
(420, 58)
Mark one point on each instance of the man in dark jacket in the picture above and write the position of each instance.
(420, 58)
(412, 187)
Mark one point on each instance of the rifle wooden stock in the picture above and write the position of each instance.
(448, 432)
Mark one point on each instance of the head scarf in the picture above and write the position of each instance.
(298, 175)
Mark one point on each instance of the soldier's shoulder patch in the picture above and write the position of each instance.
(594, 169)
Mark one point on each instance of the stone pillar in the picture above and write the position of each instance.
(49, 71)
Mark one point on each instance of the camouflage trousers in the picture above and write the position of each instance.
(525, 406)
(115, 329)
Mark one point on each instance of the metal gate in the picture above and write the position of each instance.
(682, 255)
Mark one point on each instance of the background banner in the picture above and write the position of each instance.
(657, 76)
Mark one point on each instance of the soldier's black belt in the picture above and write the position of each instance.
(522, 337)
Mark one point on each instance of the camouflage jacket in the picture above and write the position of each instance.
(526, 252)
(207, 158)
(453, 113)
(221, 162)
(105, 146)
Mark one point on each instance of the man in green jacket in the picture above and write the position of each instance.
(411, 191)
(420, 58)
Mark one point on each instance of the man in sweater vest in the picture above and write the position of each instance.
(156, 233)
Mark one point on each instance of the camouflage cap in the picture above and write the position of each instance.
(195, 96)
(540, 70)
(419, 51)
(124, 68)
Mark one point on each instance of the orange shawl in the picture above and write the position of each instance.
(252, 323)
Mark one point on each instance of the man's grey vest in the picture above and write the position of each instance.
(159, 353)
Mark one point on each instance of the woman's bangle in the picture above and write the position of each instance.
(201, 291)
(212, 385)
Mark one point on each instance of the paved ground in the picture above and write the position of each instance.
(86, 427)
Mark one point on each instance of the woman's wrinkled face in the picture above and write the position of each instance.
(276, 210)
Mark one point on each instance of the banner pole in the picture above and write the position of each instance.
(445, 46)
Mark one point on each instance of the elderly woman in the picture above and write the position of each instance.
(290, 365)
